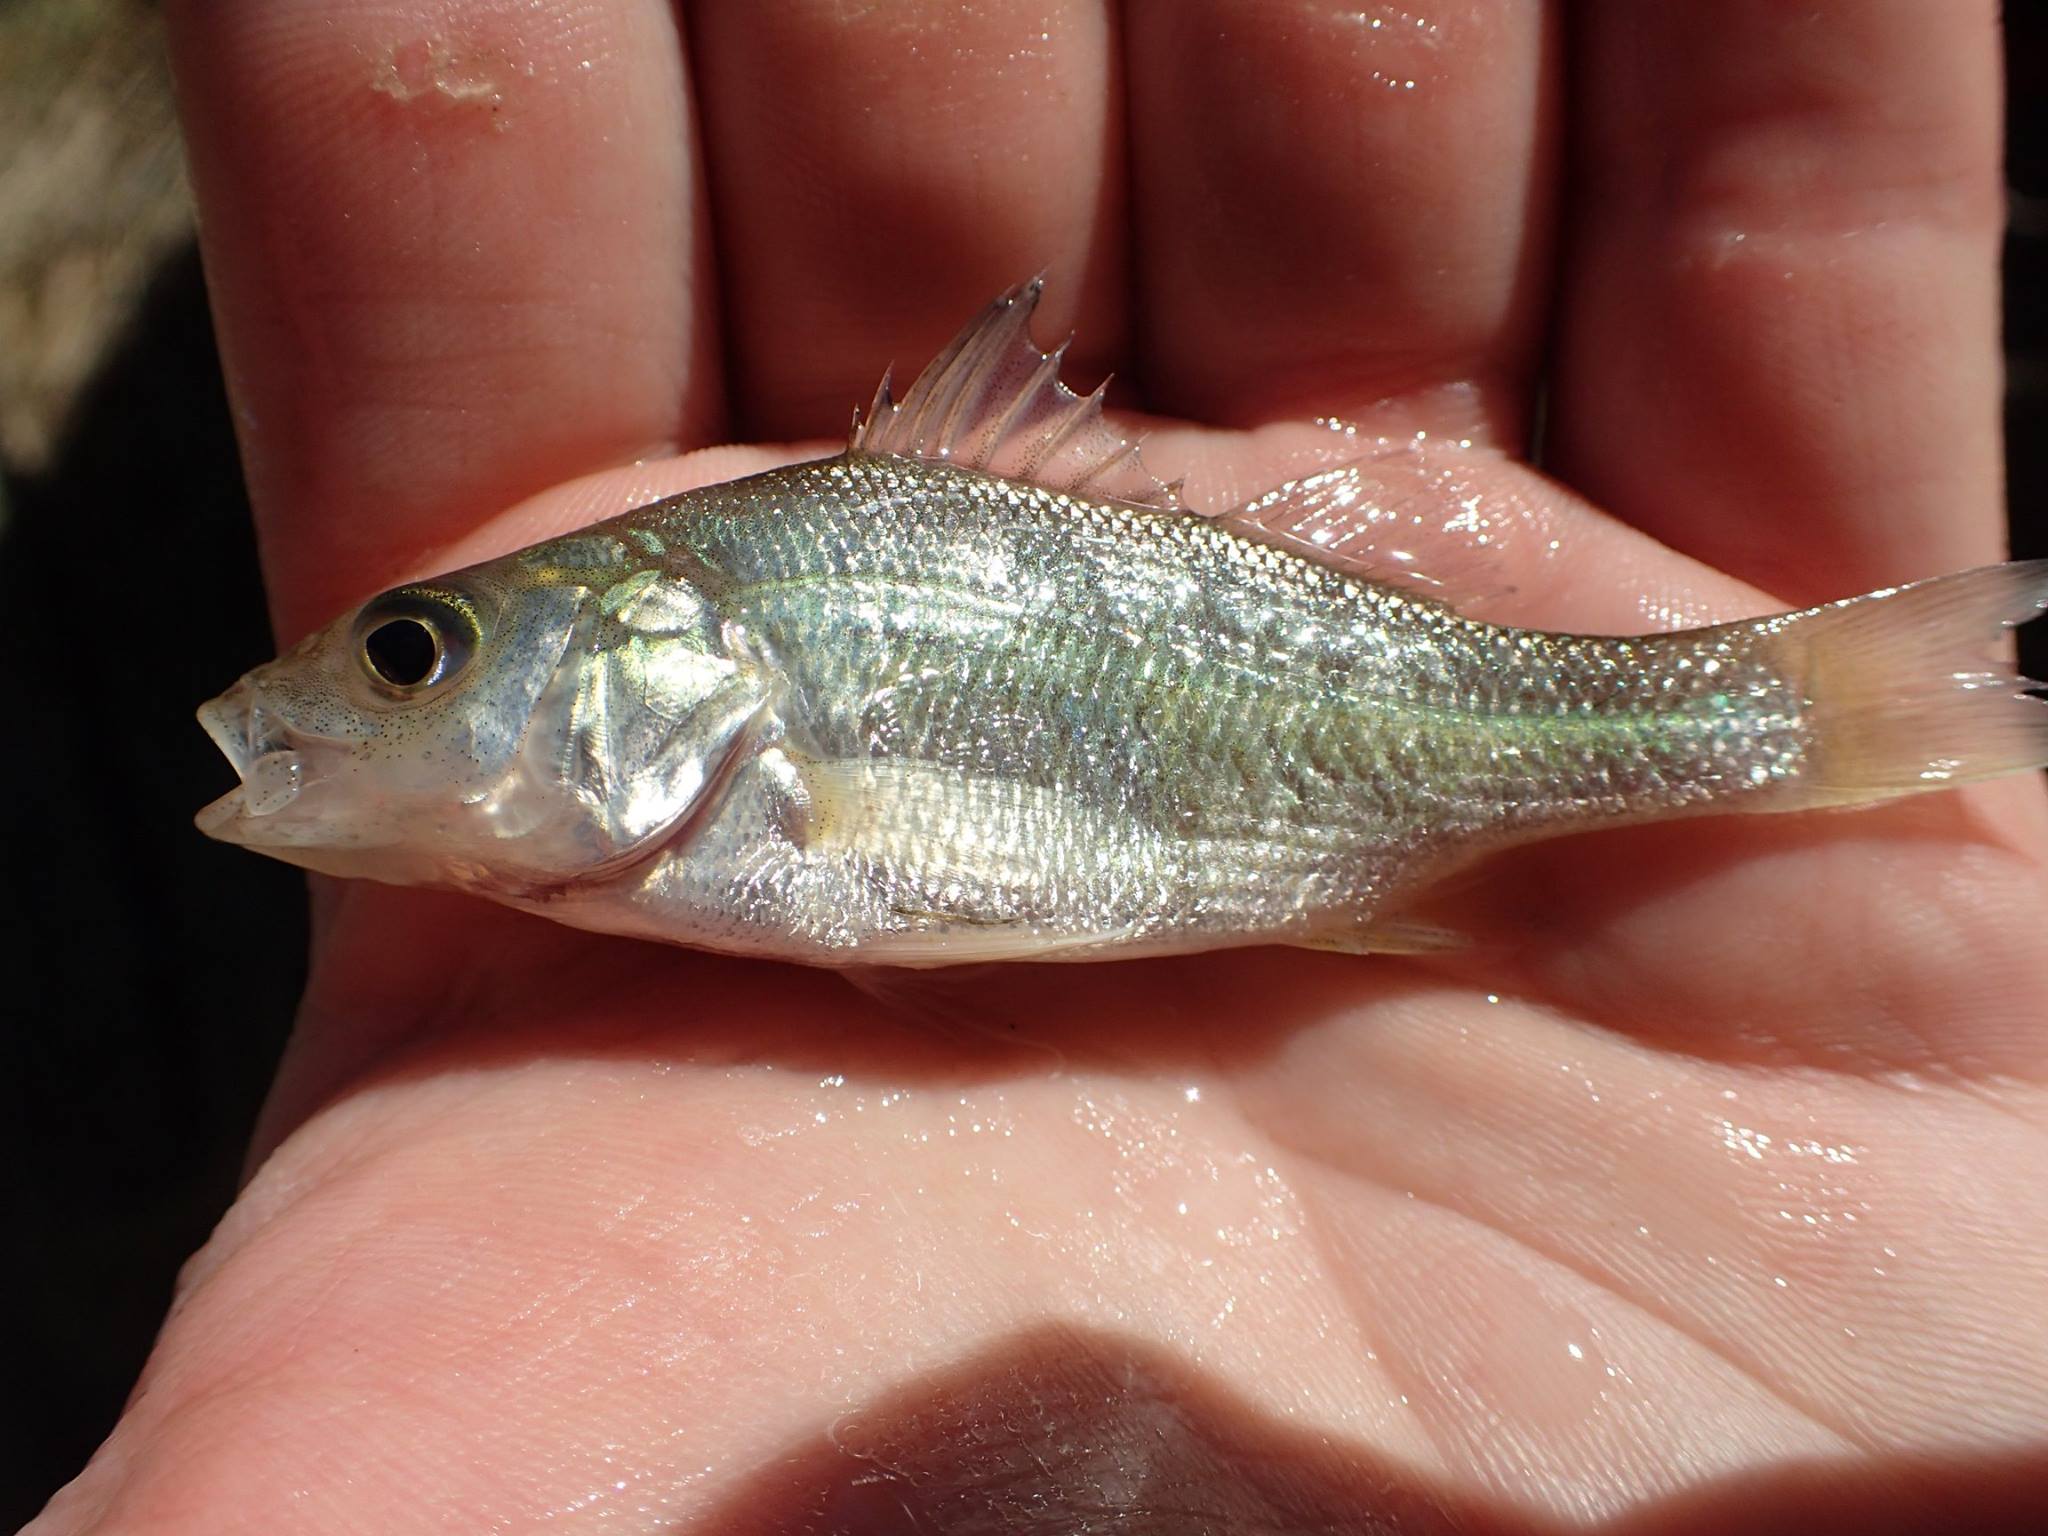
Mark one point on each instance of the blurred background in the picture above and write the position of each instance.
(151, 974)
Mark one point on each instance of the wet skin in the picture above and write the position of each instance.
(1708, 1180)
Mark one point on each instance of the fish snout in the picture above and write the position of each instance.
(256, 742)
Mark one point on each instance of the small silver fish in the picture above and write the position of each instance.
(980, 689)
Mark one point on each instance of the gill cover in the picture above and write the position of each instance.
(666, 700)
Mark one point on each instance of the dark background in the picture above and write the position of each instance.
(151, 974)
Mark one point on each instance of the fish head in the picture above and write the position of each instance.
(504, 728)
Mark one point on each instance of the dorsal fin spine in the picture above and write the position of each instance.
(993, 401)
(1081, 412)
(969, 394)
(1047, 371)
(1106, 465)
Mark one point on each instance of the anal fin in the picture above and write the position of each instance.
(1385, 936)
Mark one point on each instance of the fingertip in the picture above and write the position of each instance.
(1778, 334)
(1340, 207)
(881, 172)
(444, 272)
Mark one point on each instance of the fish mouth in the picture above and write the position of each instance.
(268, 764)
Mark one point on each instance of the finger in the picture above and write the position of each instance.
(1337, 204)
(882, 172)
(452, 256)
(1779, 336)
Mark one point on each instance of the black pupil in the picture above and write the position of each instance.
(402, 652)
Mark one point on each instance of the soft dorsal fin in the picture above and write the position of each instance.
(1388, 517)
(992, 401)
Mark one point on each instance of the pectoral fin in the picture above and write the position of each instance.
(941, 820)
(957, 861)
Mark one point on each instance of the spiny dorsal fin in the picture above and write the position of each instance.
(992, 401)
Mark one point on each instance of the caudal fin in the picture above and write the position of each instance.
(1908, 691)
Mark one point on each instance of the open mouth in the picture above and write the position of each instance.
(255, 744)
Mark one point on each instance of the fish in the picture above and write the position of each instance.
(981, 688)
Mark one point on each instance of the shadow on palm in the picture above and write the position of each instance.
(1080, 1419)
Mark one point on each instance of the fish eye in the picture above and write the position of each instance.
(410, 640)
(402, 652)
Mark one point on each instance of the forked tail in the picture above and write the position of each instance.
(1906, 690)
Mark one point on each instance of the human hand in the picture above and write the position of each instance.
(1705, 1187)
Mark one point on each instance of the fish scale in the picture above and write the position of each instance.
(979, 688)
(1338, 750)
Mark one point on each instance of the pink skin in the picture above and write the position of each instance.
(1717, 1161)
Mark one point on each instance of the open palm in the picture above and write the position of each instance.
(1706, 1185)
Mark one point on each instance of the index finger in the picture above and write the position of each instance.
(453, 251)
